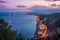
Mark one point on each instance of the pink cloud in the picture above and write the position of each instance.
(21, 6)
(2, 1)
(2, 6)
(54, 5)
(52, 0)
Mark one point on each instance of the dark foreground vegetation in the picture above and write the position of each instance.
(7, 34)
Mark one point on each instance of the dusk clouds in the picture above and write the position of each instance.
(2, 1)
(2, 6)
(52, 0)
(21, 6)
(54, 5)
(28, 5)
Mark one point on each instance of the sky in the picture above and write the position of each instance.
(27, 4)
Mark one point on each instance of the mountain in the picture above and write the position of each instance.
(38, 7)
(53, 21)
(43, 10)
(55, 16)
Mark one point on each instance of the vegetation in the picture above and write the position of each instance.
(6, 33)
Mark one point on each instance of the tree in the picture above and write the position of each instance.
(5, 31)
(20, 37)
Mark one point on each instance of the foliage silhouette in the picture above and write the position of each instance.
(5, 31)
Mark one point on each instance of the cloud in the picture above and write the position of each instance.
(21, 6)
(52, 0)
(2, 6)
(32, 10)
(54, 5)
(2, 1)
(36, 7)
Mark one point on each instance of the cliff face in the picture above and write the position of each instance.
(53, 22)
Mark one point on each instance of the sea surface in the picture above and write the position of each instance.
(22, 24)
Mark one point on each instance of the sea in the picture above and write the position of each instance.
(24, 24)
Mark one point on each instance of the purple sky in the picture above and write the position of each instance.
(25, 5)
